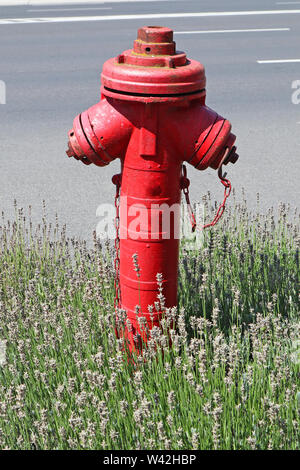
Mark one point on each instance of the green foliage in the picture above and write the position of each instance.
(229, 381)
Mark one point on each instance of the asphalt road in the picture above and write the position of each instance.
(52, 73)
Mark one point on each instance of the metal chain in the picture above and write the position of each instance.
(221, 208)
(117, 301)
(220, 211)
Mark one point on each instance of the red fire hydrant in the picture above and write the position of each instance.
(152, 115)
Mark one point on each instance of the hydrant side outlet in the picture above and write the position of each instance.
(153, 117)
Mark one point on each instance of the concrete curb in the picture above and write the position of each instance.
(30, 3)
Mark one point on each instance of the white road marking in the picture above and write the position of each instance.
(287, 3)
(278, 61)
(32, 3)
(69, 9)
(231, 31)
(68, 19)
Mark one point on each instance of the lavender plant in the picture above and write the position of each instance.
(229, 381)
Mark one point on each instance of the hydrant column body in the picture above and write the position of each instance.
(150, 209)
(152, 115)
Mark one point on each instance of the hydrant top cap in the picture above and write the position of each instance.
(155, 40)
(153, 68)
(155, 34)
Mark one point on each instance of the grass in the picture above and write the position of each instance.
(230, 380)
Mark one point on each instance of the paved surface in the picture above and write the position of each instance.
(52, 73)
